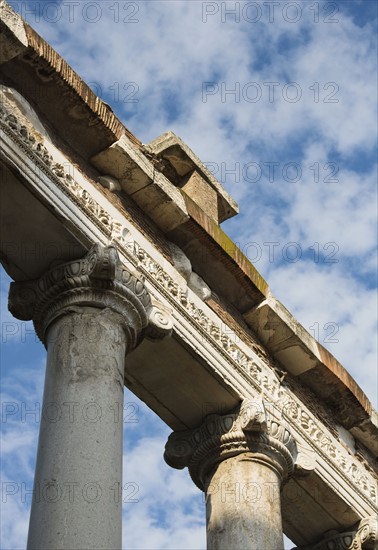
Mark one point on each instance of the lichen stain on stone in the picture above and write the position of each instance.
(227, 245)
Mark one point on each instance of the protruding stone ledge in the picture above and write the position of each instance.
(13, 39)
(364, 535)
(70, 105)
(183, 161)
(98, 280)
(28, 62)
(138, 177)
(247, 430)
(298, 352)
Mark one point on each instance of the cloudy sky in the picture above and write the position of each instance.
(279, 99)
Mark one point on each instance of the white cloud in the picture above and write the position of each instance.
(14, 518)
(338, 312)
(169, 506)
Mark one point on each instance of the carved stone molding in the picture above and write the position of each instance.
(98, 280)
(255, 367)
(362, 536)
(247, 430)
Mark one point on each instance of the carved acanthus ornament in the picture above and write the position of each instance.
(98, 280)
(363, 536)
(248, 430)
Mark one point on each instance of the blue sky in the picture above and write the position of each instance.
(282, 106)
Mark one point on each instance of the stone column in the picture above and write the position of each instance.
(89, 313)
(240, 460)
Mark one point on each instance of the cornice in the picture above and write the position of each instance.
(23, 49)
(245, 362)
(89, 125)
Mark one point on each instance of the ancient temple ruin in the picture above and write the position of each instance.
(139, 286)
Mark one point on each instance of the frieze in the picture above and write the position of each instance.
(263, 378)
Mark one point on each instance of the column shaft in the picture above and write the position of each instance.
(89, 313)
(243, 506)
(77, 502)
(240, 460)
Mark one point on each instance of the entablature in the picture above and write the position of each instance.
(216, 358)
(212, 367)
(90, 131)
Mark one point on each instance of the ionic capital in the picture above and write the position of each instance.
(363, 535)
(247, 430)
(160, 322)
(97, 280)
